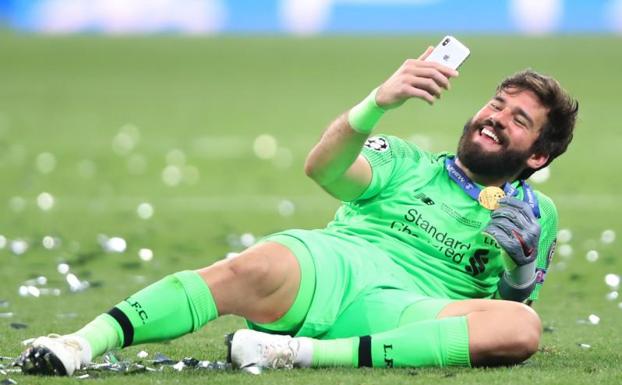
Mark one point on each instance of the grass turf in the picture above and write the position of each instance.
(211, 98)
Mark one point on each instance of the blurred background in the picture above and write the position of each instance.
(139, 138)
(310, 17)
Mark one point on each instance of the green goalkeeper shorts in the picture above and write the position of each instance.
(349, 287)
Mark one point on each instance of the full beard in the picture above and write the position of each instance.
(504, 164)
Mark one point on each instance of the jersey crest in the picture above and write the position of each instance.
(377, 143)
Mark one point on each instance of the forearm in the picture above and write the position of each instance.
(336, 151)
(333, 162)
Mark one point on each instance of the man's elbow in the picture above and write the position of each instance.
(310, 169)
(314, 172)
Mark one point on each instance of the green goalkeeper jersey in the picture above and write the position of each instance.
(430, 226)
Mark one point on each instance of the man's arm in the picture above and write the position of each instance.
(334, 163)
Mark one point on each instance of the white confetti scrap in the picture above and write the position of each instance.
(145, 254)
(592, 256)
(18, 246)
(286, 208)
(247, 239)
(172, 175)
(564, 235)
(265, 146)
(45, 201)
(62, 268)
(144, 210)
(593, 319)
(564, 250)
(608, 236)
(115, 245)
(612, 280)
(46, 162)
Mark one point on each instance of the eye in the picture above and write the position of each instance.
(495, 105)
(520, 121)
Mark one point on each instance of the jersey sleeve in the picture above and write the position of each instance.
(548, 240)
(385, 154)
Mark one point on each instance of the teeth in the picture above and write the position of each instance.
(490, 134)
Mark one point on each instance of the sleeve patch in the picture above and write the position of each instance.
(377, 143)
(549, 256)
(540, 275)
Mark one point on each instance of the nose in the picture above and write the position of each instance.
(500, 118)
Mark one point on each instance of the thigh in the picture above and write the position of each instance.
(375, 311)
(344, 268)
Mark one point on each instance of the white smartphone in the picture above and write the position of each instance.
(449, 52)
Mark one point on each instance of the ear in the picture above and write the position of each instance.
(535, 161)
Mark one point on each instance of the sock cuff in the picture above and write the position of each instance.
(199, 296)
(457, 341)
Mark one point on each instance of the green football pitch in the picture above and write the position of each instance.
(190, 147)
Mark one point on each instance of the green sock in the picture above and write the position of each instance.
(176, 305)
(338, 352)
(438, 342)
(101, 334)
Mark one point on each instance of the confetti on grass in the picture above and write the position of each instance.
(115, 363)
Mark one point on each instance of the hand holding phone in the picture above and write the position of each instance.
(449, 52)
(417, 78)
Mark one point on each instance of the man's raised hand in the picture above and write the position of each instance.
(516, 230)
(416, 78)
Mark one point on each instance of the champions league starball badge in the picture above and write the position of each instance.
(377, 143)
(489, 197)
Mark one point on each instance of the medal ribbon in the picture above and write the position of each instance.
(473, 190)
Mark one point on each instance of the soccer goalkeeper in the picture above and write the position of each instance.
(432, 260)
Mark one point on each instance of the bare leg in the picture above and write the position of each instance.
(260, 284)
(500, 332)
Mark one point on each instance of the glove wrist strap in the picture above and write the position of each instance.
(518, 283)
(521, 275)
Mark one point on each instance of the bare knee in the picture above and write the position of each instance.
(506, 333)
(522, 336)
(527, 338)
(252, 269)
(259, 284)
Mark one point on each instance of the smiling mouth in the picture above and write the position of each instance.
(490, 134)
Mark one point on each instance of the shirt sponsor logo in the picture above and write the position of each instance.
(445, 243)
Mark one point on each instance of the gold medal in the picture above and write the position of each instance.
(489, 197)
